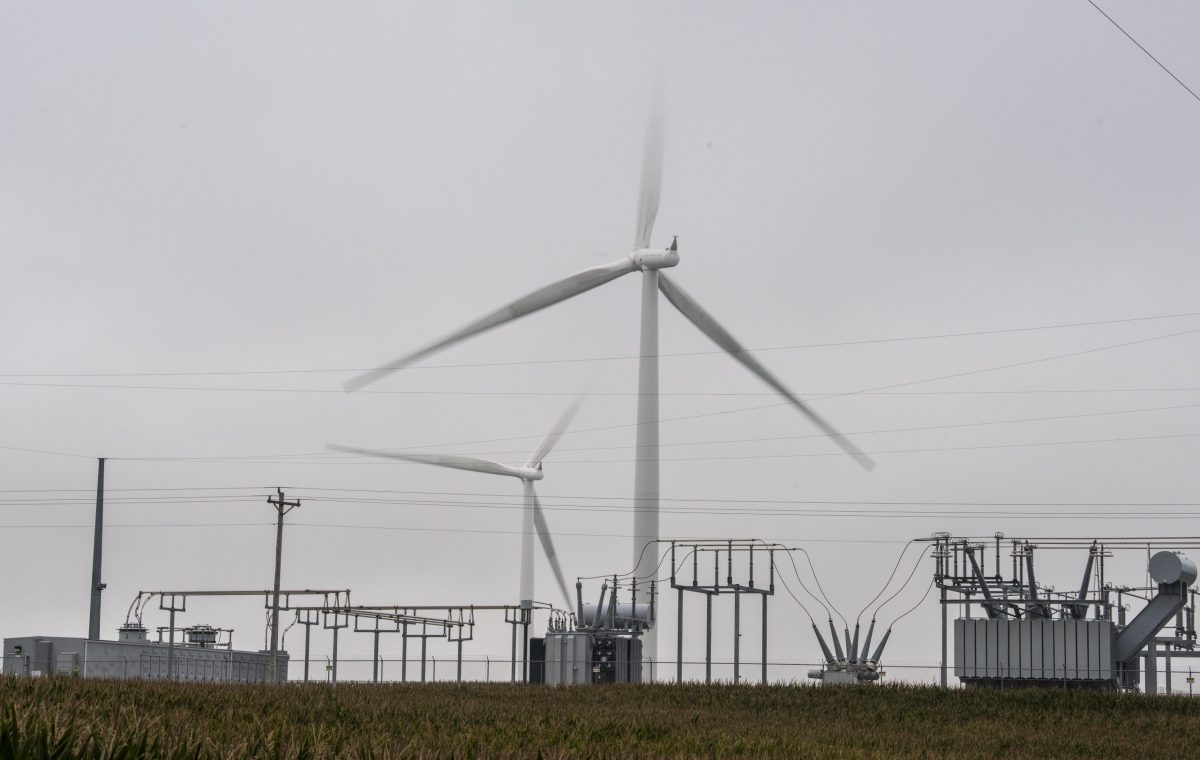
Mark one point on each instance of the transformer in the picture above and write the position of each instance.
(582, 657)
(1027, 634)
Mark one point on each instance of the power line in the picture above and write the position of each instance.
(517, 498)
(921, 428)
(745, 510)
(1161, 65)
(257, 458)
(952, 376)
(406, 528)
(836, 344)
(47, 451)
(881, 452)
(365, 462)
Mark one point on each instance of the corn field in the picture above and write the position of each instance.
(44, 718)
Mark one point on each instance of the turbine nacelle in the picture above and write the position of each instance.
(529, 473)
(655, 258)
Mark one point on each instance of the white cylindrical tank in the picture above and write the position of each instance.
(1172, 567)
(627, 617)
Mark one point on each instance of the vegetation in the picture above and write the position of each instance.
(70, 717)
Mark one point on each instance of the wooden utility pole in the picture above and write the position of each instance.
(282, 507)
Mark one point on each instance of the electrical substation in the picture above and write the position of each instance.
(1012, 630)
(1009, 628)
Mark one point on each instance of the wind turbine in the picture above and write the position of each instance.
(650, 262)
(532, 517)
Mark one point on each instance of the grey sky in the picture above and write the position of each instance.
(227, 187)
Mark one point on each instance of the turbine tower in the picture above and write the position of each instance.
(650, 262)
(532, 517)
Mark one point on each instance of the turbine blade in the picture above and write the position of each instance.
(551, 440)
(651, 188)
(719, 335)
(470, 464)
(538, 299)
(543, 530)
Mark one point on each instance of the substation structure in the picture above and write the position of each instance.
(601, 641)
(420, 622)
(728, 577)
(1013, 631)
(333, 611)
(855, 664)
(202, 653)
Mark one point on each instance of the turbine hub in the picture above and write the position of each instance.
(531, 473)
(656, 258)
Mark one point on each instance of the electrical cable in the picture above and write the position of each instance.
(827, 604)
(888, 582)
(868, 341)
(761, 406)
(1144, 50)
(878, 431)
(592, 497)
(364, 462)
(787, 588)
(907, 580)
(918, 604)
(749, 507)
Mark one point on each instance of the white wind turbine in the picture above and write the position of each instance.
(650, 262)
(532, 517)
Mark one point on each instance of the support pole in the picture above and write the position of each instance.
(97, 550)
(375, 657)
(424, 639)
(1167, 665)
(737, 635)
(171, 645)
(336, 628)
(764, 646)
(458, 675)
(1151, 668)
(404, 653)
(708, 639)
(679, 641)
(513, 675)
(282, 507)
(943, 666)
(307, 635)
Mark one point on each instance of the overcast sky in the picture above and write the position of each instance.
(213, 214)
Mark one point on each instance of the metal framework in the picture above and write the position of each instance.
(681, 550)
(176, 601)
(974, 577)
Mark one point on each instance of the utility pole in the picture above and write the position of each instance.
(97, 547)
(282, 507)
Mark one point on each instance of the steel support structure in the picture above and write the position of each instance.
(1136, 645)
(723, 553)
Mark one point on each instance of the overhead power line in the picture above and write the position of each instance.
(1141, 47)
(367, 462)
(680, 418)
(743, 509)
(624, 357)
(321, 493)
(304, 456)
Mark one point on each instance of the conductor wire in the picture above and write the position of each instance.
(907, 580)
(886, 583)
